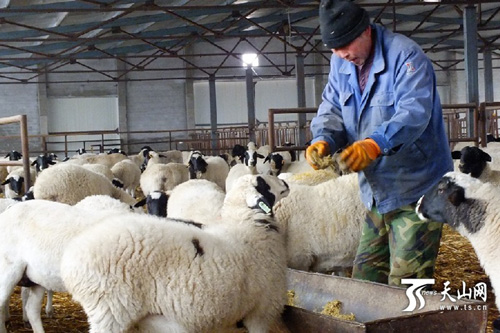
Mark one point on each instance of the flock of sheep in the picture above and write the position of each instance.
(212, 250)
(214, 241)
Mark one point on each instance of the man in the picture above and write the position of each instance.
(381, 102)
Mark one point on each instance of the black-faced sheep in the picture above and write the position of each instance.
(470, 207)
(213, 168)
(475, 162)
(199, 278)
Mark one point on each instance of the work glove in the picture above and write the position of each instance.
(360, 154)
(316, 152)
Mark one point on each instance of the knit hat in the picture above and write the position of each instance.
(341, 22)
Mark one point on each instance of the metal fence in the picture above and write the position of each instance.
(464, 123)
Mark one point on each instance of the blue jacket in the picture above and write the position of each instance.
(399, 109)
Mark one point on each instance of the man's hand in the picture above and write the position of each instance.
(360, 154)
(316, 152)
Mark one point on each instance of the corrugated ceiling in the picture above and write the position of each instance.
(39, 36)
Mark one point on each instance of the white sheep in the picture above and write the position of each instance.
(69, 183)
(101, 202)
(106, 159)
(100, 169)
(200, 278)
(34, 235)
(471, 207)
(15, 182)
(313, 177)
(128, 174)
(247, 167)
(322, 224)
(213, 168)
(6, 202)
(163, 177)
(197, 199)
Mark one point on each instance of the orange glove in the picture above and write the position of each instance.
(360, 154)
(315, 153)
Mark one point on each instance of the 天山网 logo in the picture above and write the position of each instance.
(414, 292)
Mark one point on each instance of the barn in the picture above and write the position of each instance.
(135, 98)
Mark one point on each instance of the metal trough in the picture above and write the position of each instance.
(377, 307)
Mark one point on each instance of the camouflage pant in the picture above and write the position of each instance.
(396, 245)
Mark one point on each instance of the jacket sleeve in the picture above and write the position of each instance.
(328, 124)
(414, 103)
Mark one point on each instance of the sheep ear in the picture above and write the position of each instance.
(260, 156)
(486, 156)
(267, 158)
(457, 196)
(456, 155)
(5, 182)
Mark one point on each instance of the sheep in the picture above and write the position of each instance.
(200, 278)
(197, 199)
(163, 177)
(249, 167)
(469, 206)
(213, 168)
(100, 169)
(277, 161)
(69, 183)
(262, 152)
(156, 203)
(100, 202)
(171, 156)
(141, 158)
(6, 203)
(313, 177)
(106, 159)
(129, 175)
(322, 223)
(297, 167)
(238, 152)
(34, 235)
(13, 155)
(474, 161)
(43, 161)
(15, 181)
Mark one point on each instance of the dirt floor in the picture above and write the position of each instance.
(457, 262)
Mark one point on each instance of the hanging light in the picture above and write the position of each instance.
(250, 59)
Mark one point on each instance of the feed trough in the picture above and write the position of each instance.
(377, 308)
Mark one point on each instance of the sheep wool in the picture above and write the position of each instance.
(34, 235)
(197, 199)
(70, 183)
(163, 177)
(199, 278)
(322, 223)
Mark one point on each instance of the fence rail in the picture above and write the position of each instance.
(464, 123)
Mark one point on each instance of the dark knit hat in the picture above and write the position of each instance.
(341, 22)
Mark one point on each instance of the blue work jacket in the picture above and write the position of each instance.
(399, 109)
